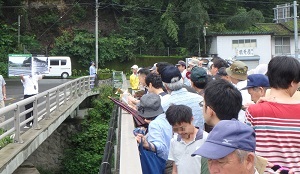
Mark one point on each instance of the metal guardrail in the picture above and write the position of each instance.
(107, 163)
(43, 105)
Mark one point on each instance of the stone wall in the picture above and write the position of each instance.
(48, 156)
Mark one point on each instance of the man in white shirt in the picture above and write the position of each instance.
(31, 88)
(2, 96)
(182, 68)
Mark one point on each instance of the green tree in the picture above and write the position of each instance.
(87, 146)
(80, 46)
(8, 45)
(243, 20)
(164, 23)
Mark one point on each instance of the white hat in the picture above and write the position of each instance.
(134, 67)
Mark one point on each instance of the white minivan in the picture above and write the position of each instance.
(53, 66)
(59, 66)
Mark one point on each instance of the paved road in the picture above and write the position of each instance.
(14, 91)
(14, 88)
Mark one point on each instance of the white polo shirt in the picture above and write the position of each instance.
(30, 84)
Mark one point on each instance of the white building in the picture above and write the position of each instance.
(255, 47)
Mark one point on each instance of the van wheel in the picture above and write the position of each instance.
(64, 75)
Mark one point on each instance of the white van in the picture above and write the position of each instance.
(53, 66)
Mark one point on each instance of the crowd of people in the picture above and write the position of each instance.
(221, 118)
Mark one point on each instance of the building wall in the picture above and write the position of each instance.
(213, 46)
(292, 46)
(224, 48)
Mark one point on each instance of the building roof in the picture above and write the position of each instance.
(276, 29)
(290, 25)
(234, 33)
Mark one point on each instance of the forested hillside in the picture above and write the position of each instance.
(67, 27)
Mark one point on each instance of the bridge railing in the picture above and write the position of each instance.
(44, 104)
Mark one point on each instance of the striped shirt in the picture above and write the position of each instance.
(277, 128)
(183, 97)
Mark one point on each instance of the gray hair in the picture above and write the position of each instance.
(242, 154)
(175, 85)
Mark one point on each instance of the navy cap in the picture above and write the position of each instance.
(257, 80)
(170, 72)
(226, 137)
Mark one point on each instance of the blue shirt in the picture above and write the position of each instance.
(183, 97)
(92, 70)
(160, 134)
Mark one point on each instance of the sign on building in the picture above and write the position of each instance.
(244, 52)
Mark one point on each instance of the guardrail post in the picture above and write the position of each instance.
(86, 85)
(82, 86)
(65, 95)
(17, 138)
(89, 83)
(57, 100)
(47, 106)
(35, 115)
(76, 89)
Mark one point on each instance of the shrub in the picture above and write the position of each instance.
(86, 147)
(5, 140)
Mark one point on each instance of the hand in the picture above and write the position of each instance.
(266, 99)
(140, 137)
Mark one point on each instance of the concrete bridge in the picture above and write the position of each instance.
(57, 104)
(50, 109)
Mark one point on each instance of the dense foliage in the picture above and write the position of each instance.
(126, 26)
(85, 153)
(6, 140)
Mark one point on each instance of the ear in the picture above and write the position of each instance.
(209, 111)
(150, 85)
(250, 161)
(192, 84)
(192, 119)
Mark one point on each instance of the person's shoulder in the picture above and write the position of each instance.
(259, 108)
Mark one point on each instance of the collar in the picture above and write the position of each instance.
(178, 91)
(199, 136)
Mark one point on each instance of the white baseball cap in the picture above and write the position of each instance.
(134, 67)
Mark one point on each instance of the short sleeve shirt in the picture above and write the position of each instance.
(30, 84)
(180, 153)
(2, 83)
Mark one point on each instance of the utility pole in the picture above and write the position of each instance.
(19, 28)
(96, 35)
(296, 29)
(199, 53)
(204, 38)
